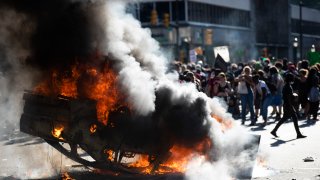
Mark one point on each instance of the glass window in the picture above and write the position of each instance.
(308, 27)
(162, 8)
(145, 11)
(206, 13)
(178, 8)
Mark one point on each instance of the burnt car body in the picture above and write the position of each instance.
(62, 119)
(77, 124)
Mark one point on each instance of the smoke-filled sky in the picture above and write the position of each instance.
(38, 35)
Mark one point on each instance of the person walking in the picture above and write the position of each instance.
(313, 98)
(288, 108)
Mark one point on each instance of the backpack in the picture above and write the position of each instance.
(314, 94)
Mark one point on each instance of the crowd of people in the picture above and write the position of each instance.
(290, 89)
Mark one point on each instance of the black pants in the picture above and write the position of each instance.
(314, 107)
(288, 112)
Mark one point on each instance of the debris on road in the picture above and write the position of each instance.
(308, 159)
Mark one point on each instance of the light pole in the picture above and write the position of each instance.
(300, 29)
(177, 28)
(295, 45)
(313, 48)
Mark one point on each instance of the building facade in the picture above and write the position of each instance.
(250, 28)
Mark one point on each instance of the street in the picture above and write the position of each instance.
(283, 157)
(280, 158)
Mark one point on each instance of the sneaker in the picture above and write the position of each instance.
(252, 124)
(274, 133)
(308, 117)
(301, 136)
(273, 113)
(264, 123)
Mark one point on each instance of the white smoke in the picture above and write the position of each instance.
(142, 71)
(199, 168)
(141, 61)
(13, 78)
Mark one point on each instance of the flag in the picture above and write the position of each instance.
(220, 63)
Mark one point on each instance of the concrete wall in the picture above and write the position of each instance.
(236, 4)
(308, 14)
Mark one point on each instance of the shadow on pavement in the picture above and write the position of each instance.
(21, 138)
(8, 178)
(95, 176)
(308, 123)
(260, 127)
(278, 142)
(35, 142)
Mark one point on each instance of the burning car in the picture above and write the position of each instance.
(101, 86)
(109, 130)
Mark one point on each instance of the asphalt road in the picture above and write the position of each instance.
(23, 156)
(286, 157)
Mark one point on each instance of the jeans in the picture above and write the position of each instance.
(265, 104)
(247, 99)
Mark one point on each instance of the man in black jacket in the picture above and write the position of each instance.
(288, 108)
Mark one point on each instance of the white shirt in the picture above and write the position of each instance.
(261, 85)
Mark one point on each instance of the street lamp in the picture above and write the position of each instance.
(295, 42)
(300, 28)
(295, 47)
(313, 48)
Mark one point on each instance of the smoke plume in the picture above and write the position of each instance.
(37, 35)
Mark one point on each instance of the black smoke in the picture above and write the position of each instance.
(63, 30)
(184, 120)
(181, 122)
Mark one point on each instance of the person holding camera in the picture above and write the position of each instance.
(245, 91)
(222, 87)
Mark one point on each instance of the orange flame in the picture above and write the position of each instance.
(93, 128)
(143, 161)
(225, 123)
(91, 82)
(178, 160)
(110, 154)
(180, 156)
(66, 176)
(104, 90)
(57, 131)
(261, 161)
(100, 83)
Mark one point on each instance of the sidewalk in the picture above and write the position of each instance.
(283, 157)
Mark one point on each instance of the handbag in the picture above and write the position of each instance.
(242, 88)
